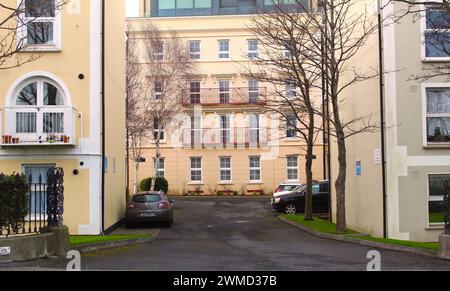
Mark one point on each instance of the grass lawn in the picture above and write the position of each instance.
(325, 226)
(76, 240)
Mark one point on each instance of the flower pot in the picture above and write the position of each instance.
(66, 139)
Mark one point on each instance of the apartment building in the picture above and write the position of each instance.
(67, 108)
(227, 145)
(396, 177)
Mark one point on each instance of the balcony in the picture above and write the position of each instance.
(218, 97)
(236, 137)
(37, 126)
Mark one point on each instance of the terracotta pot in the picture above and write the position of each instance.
(66, 139)
(15, 140)
(8, 139)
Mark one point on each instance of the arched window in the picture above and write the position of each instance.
(38, 113)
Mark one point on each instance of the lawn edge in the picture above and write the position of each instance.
(101, 246)
(390, 247)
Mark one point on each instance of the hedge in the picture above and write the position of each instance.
(14, 201)
(161, 184)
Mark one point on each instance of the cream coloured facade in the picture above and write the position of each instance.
(67, 109)
(225, 143)
(415, 136)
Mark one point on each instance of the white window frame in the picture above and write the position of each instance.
(252, 54)
(155, 130)
(230, 169)
(255, 169)
(158, 94)
(433, 198)
(163, 169)
(39, 136)
(423, 24)
(292, 168)
(425, 114)
(22, 34)
(227, 91)
(253, 90)
(196, 169)
(223, 52)
(32, 217)
(159, 56)
(191, 54)
(290, 89)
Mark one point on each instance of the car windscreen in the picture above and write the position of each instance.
(285, 188)
(148, 198)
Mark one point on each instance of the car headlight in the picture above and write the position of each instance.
(277, 200)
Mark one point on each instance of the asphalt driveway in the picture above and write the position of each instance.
(238, 234)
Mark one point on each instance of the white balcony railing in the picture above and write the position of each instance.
(37, 126)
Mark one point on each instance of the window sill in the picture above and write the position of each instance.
(255, 182)
(196, 183)
(435, 60)
(444, 145)
(41, 48)
(436, 226)
(226, 183)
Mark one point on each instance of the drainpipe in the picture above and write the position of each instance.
(383, 121)
(103, 114)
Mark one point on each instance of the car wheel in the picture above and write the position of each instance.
(290, 209)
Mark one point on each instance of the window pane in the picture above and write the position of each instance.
(185, 4)
(28, 95)
(437, 44)
(436, 211)
(437, 19)
(25, 122)
(52, 96)
(40, 33)
(166, 7)
(203, 4)
(438, 129)
(40, 8)
(53, 122)
(438, 100)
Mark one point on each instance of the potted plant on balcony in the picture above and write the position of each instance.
(52, 138)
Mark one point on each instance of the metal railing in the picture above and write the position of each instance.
(225, 137)
(229, 96)
(49, 125)
(45, 205)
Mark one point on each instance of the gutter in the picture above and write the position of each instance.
(103, 114)
(382, 119)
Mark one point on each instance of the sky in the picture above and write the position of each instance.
(132, 8)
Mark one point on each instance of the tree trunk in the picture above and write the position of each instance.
(155, 166)
(341, 222)
(308, 169)
(136, 177)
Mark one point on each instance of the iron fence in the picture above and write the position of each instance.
(44, 200)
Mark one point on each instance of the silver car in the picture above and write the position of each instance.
(149, 207)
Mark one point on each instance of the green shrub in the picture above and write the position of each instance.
(145, 184)
(14, 202)
(161, 184)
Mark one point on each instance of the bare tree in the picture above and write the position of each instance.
(17, 18)
(285, 64)
(138, 121)
(336, 31)
(165, 69)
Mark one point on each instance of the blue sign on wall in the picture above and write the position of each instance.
(358, 168)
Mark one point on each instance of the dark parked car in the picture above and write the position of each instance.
(149, 207)
(294, 202)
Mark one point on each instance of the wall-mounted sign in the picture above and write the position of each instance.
(377, 157)
(5, 251)
(358, 168)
